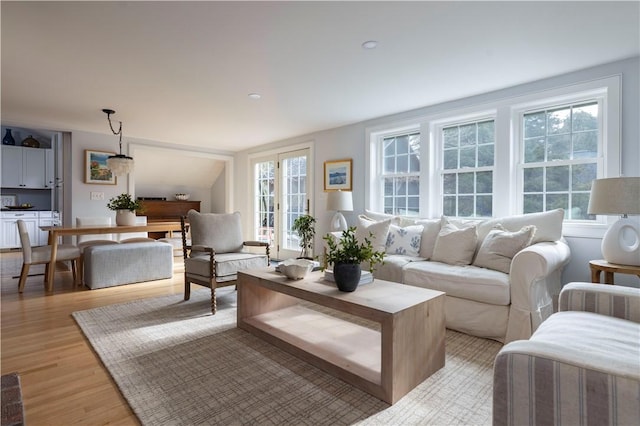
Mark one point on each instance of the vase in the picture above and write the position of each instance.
(8, 138)
(347, 276)
(125, 218)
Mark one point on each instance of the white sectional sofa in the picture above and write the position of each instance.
(500, 276)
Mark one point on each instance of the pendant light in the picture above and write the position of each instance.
(119, 164)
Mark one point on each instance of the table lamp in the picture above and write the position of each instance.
(618, 196)
(339, 201)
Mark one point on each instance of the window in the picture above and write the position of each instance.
(401, 174)
(522, 154)
(560, 158)
(467, 169)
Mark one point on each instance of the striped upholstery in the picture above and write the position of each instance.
(615, 301)
(578, 368)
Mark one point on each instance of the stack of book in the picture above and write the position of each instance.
(365, 277)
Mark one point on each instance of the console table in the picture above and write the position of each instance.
(389, 363)
(166, 211)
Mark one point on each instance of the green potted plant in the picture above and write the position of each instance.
(125, 207)
(304, 226)
(347, 254)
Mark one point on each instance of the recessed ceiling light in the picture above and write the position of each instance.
(370, 44)
(254, 96)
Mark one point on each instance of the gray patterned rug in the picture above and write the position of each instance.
(178, 365)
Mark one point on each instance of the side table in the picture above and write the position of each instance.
(598, 266)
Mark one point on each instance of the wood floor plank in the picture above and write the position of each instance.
(63, 380)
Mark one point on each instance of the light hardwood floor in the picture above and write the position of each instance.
(63, 380)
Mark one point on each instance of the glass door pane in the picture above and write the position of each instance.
(294, 200)
(264, 201)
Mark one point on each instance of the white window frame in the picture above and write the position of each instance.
(437, 126)
(374, 195)
(606, 92)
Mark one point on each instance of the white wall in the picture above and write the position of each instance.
(349, 142)
(81, 203)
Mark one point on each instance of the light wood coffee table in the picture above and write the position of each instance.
(387, 364)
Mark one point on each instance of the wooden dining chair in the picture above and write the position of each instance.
(42, 255)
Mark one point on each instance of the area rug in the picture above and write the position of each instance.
(176, 364)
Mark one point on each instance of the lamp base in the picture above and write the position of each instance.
(338, 222)
(621, 243)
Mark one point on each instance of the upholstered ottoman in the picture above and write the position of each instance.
(117, 264)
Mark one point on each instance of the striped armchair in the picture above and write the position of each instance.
(581, 366)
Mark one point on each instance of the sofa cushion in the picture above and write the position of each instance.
(379, 217)
(375, 231)
(226, 264)
(404, 240)
(220, 231)
(429, 236)
(548, 225)
(455, 245)
(499, 247)
(391, 268)
(462, 281)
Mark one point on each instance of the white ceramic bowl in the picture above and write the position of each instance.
(182, 197)
(296, 269)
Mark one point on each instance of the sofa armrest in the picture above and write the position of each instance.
(615, 301)
(535, 281)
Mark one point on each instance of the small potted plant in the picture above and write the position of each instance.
(347, 254)
(304, 226)
(125, 207)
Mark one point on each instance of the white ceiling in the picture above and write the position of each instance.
(180, 72)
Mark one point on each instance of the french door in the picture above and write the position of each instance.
(282, 192)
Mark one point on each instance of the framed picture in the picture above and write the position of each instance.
(95, 168)
(337, 175)
(9, 200)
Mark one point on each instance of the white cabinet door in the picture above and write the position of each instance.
(11, 166)
(33, 168)
(24, 167)
(49, 169)
(10, 236)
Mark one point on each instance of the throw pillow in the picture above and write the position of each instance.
(499, 247)
(454, 245)
(379, 217)
(429, 235)
(548, 225)
(378, 230)
(404, 241)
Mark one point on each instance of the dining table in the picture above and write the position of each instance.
(56, 231)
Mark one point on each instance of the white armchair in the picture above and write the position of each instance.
(217, 252)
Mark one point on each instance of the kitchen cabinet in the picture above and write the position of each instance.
(49, 169)
(24, 167)
(10, 237)
(34, 220)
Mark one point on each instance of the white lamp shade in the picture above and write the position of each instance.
(613, 196)
(340, 201)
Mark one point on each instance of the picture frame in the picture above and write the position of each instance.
(9, 200)
(95, 168)
(337, 175)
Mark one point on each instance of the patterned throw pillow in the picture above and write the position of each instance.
(404, 241)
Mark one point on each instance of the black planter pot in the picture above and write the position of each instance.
(347, 276)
